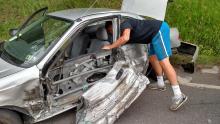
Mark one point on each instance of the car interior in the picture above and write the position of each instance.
(90, 40)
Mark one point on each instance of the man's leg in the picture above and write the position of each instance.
(159, 72)
(162, 48)
(156, 65)
(169, 71)
(179, 98)
(171, 75)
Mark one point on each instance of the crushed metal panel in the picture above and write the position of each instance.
(107, 100)
(151, 8)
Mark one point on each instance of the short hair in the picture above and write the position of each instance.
(107, 24)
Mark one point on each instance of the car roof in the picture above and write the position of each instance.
(73, 14)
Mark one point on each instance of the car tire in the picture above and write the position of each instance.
(9, 117)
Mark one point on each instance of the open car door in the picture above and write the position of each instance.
(36, 14)
(34, 17)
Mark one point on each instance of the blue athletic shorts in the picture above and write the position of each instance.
(160, 44)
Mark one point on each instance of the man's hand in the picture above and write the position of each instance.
(121, 40)
(107, 47)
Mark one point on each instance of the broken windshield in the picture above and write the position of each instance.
(33, 42)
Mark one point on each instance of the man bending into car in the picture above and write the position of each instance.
(156, 34)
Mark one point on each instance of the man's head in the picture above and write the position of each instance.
(108, 27)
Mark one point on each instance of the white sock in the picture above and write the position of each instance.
(160, 81)
(176, 90)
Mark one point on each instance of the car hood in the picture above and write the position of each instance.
(8, 69)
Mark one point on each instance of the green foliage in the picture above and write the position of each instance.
(208, 60)
(13, 13)
(197, 20)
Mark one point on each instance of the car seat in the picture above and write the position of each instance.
(79, 45)
(97, 44)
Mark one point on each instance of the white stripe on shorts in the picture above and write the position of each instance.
(163, 43)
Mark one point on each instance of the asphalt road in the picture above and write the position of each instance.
(203, 106)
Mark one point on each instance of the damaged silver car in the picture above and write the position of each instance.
(54, 62)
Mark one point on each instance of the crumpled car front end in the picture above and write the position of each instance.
(21, 92)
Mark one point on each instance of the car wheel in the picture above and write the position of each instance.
(9, 117)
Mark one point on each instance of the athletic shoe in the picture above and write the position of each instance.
(178, 102)
(154, 86)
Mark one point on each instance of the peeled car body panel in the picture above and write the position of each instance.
(106, 100)
(105, 87)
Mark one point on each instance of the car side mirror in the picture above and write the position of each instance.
(13, 32)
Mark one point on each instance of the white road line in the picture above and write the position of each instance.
(187, 82)
(206, 86)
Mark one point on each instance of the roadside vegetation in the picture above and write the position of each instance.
(197, 20)
(13, 13)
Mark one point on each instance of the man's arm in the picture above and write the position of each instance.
(121, 40)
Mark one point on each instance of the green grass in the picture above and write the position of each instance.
(13, 13)
(208, 60)
(197, 20)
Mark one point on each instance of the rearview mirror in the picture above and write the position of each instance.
(13, 32)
